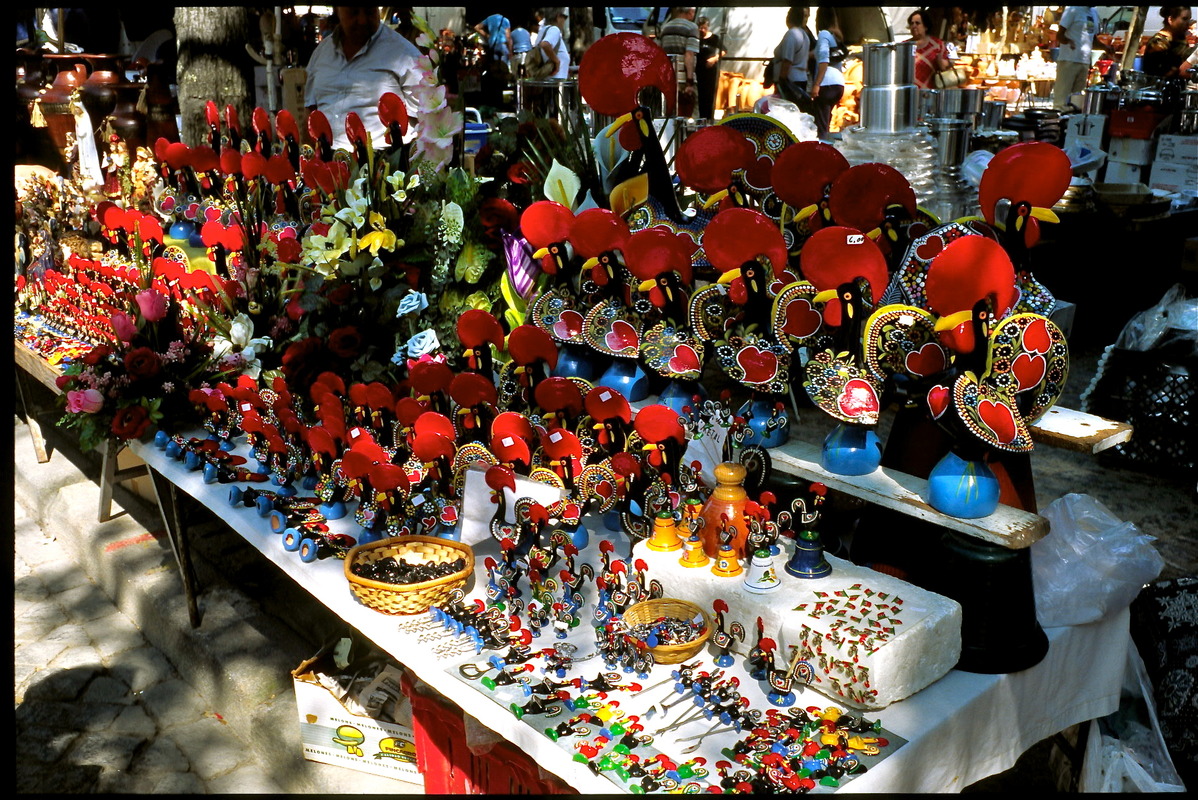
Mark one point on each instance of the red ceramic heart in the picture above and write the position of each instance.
(938, 400)
(621, 336)
(568, 325)
(757, 175)
(685, 359)
(930, 248)
(802, 319)
(927, 360)
(212, 214)
(1036, 338)
(858, 398)
(1029, 370)
(999, 418)
(759, 366)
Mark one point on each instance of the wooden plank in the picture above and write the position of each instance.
(1076, 430)
(36, 366)
(1008, 527)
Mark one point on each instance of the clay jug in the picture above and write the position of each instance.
(98, 96)
(56, 105)
(728, 499)
(127, 121)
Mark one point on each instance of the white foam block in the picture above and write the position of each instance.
(872, 639)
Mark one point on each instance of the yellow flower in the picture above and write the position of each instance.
(378, 239)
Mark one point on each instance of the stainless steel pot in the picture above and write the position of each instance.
(890, 64)
(889, 109)
(1101, 98)
(993, 113)
(952, 140)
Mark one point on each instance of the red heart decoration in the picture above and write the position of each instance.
(685, 359)
(758, 176)
(802, 319)
(568, 325)
(930, 248)
(759, 366)
(212, 214)
(1036, 338)
(858, 398)
(621, 336)
(999, 418)
(168, 203)
(429, 523)
(927, 360)
(1029, 370)
(938, 400)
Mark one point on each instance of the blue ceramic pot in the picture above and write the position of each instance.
(851, 450)
(680, 393)
(575, 362)
(765, 429)
(183, 229)
(964, 488)
(627, 377)
(581, 538)
(808, 560)
(333, 510)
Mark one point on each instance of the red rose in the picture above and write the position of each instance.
(142, 362)
(63, 381)
(289, 250)
(345, 342)
(341, 295)
(97, 354)
(130, 422)
(518, 172)
(298, 352)
(496, 215)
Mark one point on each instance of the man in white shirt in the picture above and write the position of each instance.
(355, 66)
(1078, 26)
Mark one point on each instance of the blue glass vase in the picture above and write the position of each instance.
(964, 488)
(766, 429)
(851, 450)
(627, 377)
(576, 362)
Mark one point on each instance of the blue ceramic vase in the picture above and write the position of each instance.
(627, 377)
(575, 362)
(765, 428)
(964, 488)
(679, 394)
(851, 450)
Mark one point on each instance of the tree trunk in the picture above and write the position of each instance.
(582, 32)
(214, 65)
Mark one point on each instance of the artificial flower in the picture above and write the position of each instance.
(131, 422)
(324, 251)
(152, 304)
(356, 204)
(412, 303)
(86, 401)
(381, 237)
(97, 354)
(142, 362)
(423, 343)
(451, 221)
(345, 342)
(123, 326)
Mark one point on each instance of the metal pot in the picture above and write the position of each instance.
(889, 109)
(890, 64)
(1101, 98)
(993, 113)
(1132, 80)
(952, 140)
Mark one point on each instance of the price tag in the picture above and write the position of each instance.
(555, 437)
(605, 395)
(418, 500)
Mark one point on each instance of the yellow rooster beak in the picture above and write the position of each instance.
(951, 321)
(614, 128)
(804, 213)
(590, 263)
(715, 198)
(541, 253)
(645, 286)
(1045, 214)
(729, 276)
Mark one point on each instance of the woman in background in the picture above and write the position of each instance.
(931, 55)
(1166, 50)
(827, 87)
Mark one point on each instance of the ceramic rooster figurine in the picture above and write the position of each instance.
(724, 637)
(661, 261)
(802, 176)
(878, 199)
(534, 356)
(735, 312)
(710, 160)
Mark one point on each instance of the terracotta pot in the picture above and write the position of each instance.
(127, 121)
(98, 95)
(56, 105)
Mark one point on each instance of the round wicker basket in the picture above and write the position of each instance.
(411, 598)
(652, 610)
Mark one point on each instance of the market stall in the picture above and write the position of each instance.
(543, 420)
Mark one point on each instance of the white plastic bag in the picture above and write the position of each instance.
(1090, 564)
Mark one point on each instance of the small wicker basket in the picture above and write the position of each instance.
(651, 610)
(411, 598)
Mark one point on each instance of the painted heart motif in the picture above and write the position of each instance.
(1036, 338)
(927, 360)
(930, 248)
(568, 325)
(1029, 370)
(802, 319)
(685, 359)
(858, 398)
(938, 400)
(759, 366)
(429, 523)
(191, 211)
(999, 418)
(622, 336)
(212, 214)
(758, 176)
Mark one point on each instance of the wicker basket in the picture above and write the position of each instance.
(652, 610)
(411, 598)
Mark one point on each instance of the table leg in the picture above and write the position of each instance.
(35, 427)
(110, 476)
(167, 495)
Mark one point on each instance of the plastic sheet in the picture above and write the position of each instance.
(1092, 563)
(1172, 320)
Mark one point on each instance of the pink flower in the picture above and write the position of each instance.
(152, 304)
(87, 401)
(123, 326)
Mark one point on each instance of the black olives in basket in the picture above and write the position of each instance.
(389, 570)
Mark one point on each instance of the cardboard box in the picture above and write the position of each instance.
(1118, 172)
(334, 735)
(1174, 177)
(1176, 149)
(1130, 151)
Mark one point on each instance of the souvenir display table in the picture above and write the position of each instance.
(959, 730)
